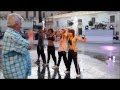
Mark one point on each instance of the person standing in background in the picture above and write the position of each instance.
(40, 46)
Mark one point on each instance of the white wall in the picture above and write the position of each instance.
(99, 36)
(2, 13)
(22, 13)
(99, 17)
(3, 24)
(118, 23)
(48, 13)
(62, 23)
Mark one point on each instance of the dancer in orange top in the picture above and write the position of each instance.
(72, 50)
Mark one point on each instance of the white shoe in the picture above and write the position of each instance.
(66, 72)
(55, 67)
(45, 65)
(78, 75)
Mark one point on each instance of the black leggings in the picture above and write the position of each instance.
(73, 55)
(51, 51)
(40, 51)
(60, 55)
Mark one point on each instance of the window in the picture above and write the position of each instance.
(26, 14)
(11, 11)
(112, 19)
(69, 23)
(51, 14)
(34, 13)
(43, 14)
(57, 23)
(40, 18)
(79, 31)
(93, 20)
(79, 21)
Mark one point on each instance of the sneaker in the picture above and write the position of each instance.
(45, 65)
(78, 76)
(37, 62)
(55, 67)
(66, 72)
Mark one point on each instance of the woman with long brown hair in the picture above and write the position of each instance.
(62, 47)
(72, 51)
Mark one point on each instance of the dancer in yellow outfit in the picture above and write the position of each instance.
(72, 50)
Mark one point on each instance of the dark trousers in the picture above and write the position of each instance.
(41, 74)
(51, 51)
(40, 51)
(60, 55)
(55, 74)
(73, 56)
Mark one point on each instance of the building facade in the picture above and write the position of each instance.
(81, 20)
(30, 17)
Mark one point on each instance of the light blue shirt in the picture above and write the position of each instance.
(16, 62)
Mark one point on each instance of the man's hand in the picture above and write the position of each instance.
(30, 33)
(30, 46)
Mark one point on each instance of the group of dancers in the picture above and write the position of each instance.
(16, 61)
(67, 43)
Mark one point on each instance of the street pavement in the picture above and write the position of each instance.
(92, 58)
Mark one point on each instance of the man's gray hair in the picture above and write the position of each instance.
(13, 19)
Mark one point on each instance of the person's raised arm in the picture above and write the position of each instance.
(56, 36)
(81, 39)
(30, 34)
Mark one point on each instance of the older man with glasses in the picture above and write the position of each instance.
(16, 62)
